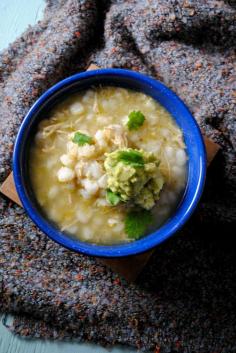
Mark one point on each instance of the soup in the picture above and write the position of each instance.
(108, 165)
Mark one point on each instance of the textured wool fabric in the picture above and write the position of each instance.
(185, 298)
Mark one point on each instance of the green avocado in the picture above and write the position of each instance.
(135, 176)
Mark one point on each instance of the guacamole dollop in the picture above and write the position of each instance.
(134, 175)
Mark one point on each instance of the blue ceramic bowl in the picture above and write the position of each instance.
(128, 79)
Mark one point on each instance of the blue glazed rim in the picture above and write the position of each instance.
(195, 150)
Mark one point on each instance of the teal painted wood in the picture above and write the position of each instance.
(15, 16)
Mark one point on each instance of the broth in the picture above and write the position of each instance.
(70, 180)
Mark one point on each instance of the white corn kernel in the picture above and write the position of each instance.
(102, 182)
(177, 171)
(93, 170)
(164, 132)
(169, 152)
(67, 160)
(153, 119)
(65, 174)
(51, 162)
(72, 229)
(87, 233)
(97, 221)
(90, 117)
(100, 138)
(79, 169)
(153, 146)
(180, 157)
(54, 214)
(84, 194)
(125, 120)
(53, 191)
(90, 186)
(150, 104)
(88, 96)
(72, 149)
(83, 216)
(76, 108)
(39, 136)
(102, 202)
(86, 151)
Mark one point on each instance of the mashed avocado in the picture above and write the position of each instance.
(134, 176)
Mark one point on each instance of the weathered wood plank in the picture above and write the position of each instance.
(15, 16)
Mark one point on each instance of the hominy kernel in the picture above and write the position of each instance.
(76, 108)
(65, 174)
(83, 216)
(53, 191)
(90, 186)
(180, 157)
(67, 160)
(177, 170)
(169, 151)
(87, 233)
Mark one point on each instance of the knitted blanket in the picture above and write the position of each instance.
(184, 301)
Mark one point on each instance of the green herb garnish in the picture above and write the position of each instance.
(112, 197)
(82, 139)
(135, 120)
(136, 223)
(132, 158)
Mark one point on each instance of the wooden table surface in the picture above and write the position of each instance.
(15, 16)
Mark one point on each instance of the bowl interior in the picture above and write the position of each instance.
(127, 79)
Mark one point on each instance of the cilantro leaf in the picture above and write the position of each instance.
(135, 120)
(82, 139)
(136, 223)
(131, 157)
(112, 197)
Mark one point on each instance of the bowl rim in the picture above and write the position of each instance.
(177, 220)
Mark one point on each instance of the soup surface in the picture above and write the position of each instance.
(108, 165)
